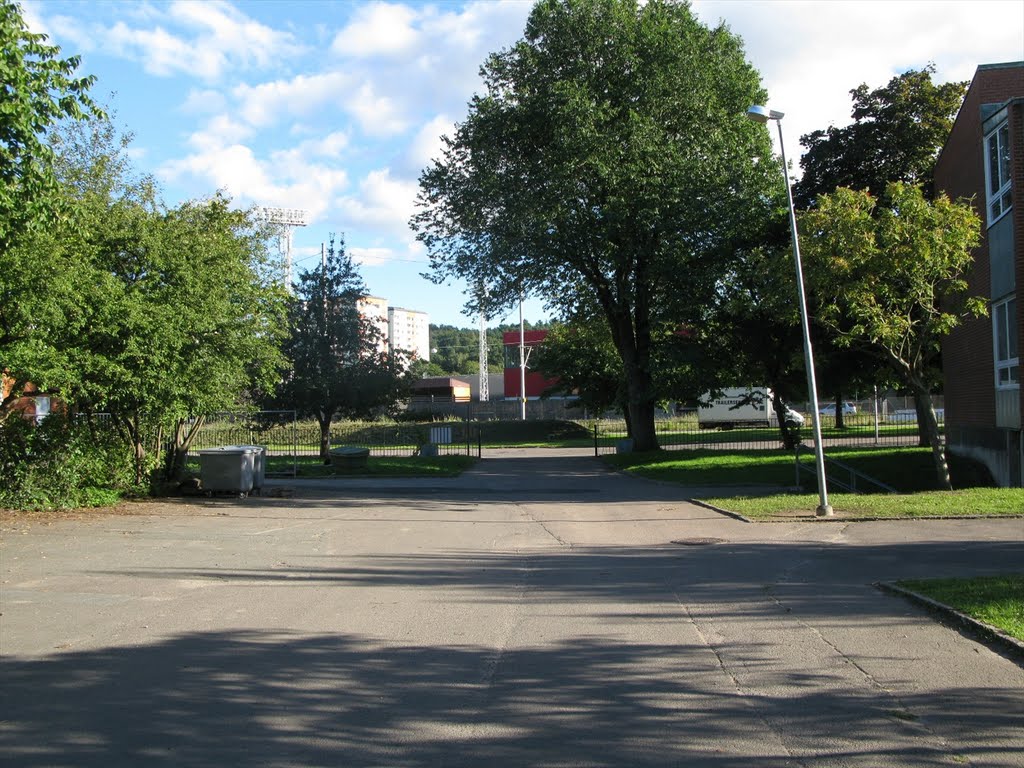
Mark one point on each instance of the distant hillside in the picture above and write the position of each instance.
(456, 350)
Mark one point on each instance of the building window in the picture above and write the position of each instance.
(997, 172)
(1004, 333)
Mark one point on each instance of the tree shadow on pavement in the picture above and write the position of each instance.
(276, 698)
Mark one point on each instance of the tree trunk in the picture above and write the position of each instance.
(840, 420)
(131, 431)
(325, 437)
(790, 433)
(177, 455)
(928, 428)
(923, 405)
(634, 348)
(641, 416)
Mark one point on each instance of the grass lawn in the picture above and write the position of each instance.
(706, 466)
(995, 600)
(539, 433)
(909, 470)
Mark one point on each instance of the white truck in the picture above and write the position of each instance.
(741, 406)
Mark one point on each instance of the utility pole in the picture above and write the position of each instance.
(485, 393)
(522, 362)
(485, 389)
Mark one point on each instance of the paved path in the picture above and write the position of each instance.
(535, 611)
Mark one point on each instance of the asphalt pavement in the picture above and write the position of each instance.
(539, 610)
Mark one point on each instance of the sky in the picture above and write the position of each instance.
(335, 108)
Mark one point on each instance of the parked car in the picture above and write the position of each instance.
(909, 415)
(849, 409)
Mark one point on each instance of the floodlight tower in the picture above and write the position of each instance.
(289, 218)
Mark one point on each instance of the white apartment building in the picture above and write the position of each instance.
(375, 309)
(409, 329)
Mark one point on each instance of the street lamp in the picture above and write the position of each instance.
(762, 115)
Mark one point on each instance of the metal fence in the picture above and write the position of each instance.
(567, 409)
(284, 435)
(860, 429)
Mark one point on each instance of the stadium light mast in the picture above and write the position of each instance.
(289, 218)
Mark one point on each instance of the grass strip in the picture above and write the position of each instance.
(967, 502)
(994, 600)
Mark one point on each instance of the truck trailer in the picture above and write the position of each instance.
(741, 406)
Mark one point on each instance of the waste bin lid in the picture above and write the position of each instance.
(349, 450)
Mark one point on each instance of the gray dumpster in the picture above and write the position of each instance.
(232, 468)
(259, 469)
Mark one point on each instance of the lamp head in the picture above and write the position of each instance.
(762, 115)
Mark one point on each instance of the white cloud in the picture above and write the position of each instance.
(371, 257)
(383, 203)
(232, 33)
(265, 103)
(377, 29)
(425, 146)
(204, 101)
(299, 183)
(299, 156)
(202, 39)
(811, 54)
(220, 131)
(377, 115)
(423, 59)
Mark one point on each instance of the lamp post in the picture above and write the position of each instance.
(522, 362)
(762, 115)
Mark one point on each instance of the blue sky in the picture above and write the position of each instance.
(335, 108)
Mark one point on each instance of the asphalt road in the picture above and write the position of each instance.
(537, 611)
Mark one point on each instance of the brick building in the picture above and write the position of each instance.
(983, 161)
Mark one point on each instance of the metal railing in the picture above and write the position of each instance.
(839, 474)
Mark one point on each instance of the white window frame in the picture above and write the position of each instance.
(998, 201)
(1005, 343)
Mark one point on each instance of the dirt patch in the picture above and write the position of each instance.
(10, 518)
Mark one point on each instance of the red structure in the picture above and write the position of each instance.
(535, 382)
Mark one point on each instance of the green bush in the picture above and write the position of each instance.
(61, 463)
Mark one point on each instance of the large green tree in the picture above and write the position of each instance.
(893, 280)
(164, 315)
(340, 367)
(582, 359)
(896, 134)
(608, 161)
(38, 89)
(752, 333)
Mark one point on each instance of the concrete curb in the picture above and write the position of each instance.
(719, 510)
(988, 633)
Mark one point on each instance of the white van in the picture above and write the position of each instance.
(741, 406)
